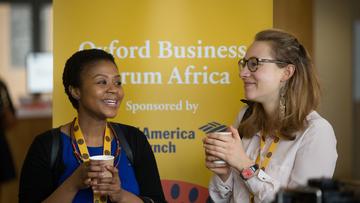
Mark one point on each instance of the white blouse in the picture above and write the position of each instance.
(311, 155)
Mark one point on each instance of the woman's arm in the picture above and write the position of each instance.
(231, 150)
(79, 179)
(64, 193)
(37, 183)
(317, 156)
(221, 191)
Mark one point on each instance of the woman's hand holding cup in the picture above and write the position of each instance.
(227, 148)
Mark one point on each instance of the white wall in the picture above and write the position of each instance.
(14, 77)
(357, 61)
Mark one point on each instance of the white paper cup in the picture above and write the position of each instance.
(221, 162)
(106, 160)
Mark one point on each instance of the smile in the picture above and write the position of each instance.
(111, 102)
(249, 84)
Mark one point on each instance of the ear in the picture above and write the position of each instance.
(75, 92)
(288, 72)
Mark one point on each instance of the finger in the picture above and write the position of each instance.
(211, 165)
(112, 169)
(100, 192)
(95, 163)
(214, 142)
(111, 192)
(223, 138)
(105, 187)
(218, 147)
(204, 139)
(87, 181)
(218, 154)
(106, 180)
(234, 133)
(95, 174)
(96, 168)
(211, 158)
(115, 173)
(100, 187)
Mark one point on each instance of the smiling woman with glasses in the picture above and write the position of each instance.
(278, 139)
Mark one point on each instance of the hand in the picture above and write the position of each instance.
(80, 177)
(222, 170)
(228, 148)
(110, 186)
(87, 173)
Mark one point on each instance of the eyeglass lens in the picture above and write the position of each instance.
(252, 63)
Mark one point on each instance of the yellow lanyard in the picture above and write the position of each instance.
(269, 153)
(263, 164)
(80, 141)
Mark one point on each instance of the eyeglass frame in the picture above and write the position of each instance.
(242, 63)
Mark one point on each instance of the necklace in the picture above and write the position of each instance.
(77, 138)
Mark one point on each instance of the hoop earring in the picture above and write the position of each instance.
(282, 105)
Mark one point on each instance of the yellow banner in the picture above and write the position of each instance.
(178, 63)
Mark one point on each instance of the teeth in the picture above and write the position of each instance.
(109, 101)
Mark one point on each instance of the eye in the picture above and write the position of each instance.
(101, 82)
(252, 63)
(118, 83)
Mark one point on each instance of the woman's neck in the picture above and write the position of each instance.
(270, 109)
(92, 129)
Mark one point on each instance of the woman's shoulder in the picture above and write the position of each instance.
(314, 119)
(45, 138)
(318, 128)
(134, 137)
(126, 128)
(42, 142)
(131, 133)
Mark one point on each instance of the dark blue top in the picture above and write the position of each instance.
(126, 171)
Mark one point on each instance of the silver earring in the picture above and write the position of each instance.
(282, 106)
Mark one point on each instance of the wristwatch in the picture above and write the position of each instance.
(247, 173)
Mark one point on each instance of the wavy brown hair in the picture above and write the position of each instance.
(302, 89)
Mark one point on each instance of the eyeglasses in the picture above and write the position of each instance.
(253, 63)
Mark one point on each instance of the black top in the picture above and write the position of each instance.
(38, 180)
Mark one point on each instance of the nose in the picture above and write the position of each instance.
(244, 72)
(113, 88)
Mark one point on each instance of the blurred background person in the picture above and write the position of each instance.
(7, 121)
